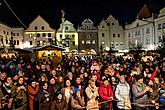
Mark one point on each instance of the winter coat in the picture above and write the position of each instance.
(31, 95)
(77, 104)
(56, 105)
(20, 99)
(40, 101)
(122, 94)
(139, 96)
(105, 93)
(92, 94)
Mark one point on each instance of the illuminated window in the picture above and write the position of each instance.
(93, 42)
(121, 43)
(88, 42)
(116, 43)
(83, 42)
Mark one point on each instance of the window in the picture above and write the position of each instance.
(103, 43)
(116, 43)
(43, 34)
(49, 35)
(31, 43)
(83, 42)
(121, 43)
(66, 28)
(14, 42)
(44, 42)
(102, 26)
(88, 42)
(118, 35)
(147, 40)
(113, 24)
(137, 24)
(4, 32)
(30, 35)
(113, 35)
(7, 33)
(147, 30)
(108, 24)
(42, 27)
(12, 38)
(73, 36)
(17, 34)
(163, 25)
(73, 42)
(93, 42)
(103, 35)
(35, 28)
(129, 34)
(17, 42)
(38, 35)
(2, 40)
(60, 36)
(112, 42)
(87, 27)
(6, 41)
(159, 39)
(13, 34)
(159, 26)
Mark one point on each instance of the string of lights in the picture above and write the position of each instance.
(14, 13)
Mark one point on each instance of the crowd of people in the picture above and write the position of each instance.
(82, 83)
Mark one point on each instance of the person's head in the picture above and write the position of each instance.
(3, 76)
(9, 80)
(20, 80)
(43, 66)
(78, 80)
(59, 96)
(156, 80)
(3, 66)
(33, 83)
(122, 79)
(150, 83)
(70, 75)
(92, 83)
(52, 81)
(146, 70)
(139, 78)
(68, 83)
(60, 79)
(11, 66)
(38, 67)
(94, 77)
(44, 85)
(106, 82)
(82, 76)
(43, 77)
(53, 72)
(19, 65)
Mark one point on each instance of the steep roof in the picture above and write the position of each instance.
(87, 20)
(145, 12)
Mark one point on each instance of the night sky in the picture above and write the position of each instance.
(76, 10)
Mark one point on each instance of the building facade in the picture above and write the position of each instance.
(110, 34)
(160, 28)
(67, 36)
(88, 37)
(39, 33)
(11, 36)
(140, 33)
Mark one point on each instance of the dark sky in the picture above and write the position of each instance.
(76, 10)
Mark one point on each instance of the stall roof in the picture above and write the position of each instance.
(48, 46)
